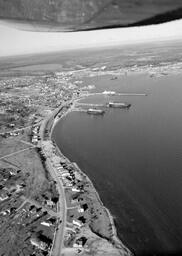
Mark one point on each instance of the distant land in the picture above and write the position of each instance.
(122, 56)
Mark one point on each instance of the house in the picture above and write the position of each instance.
(3, 196)
(74, 189)
(44, 223)
(12, 172)
(77, 245)
(5, 212)
(68, 184)
(77, 223)
(80, 209)
(50, 203)
(41, 245)
(80, 242)
(65, 174)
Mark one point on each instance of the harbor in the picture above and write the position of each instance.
(100, 109)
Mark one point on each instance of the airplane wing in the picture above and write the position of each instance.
(76, 15)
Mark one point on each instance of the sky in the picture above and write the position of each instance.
(17, 42)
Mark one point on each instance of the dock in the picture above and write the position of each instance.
(113, 93)
(132, 94)
(89, 104)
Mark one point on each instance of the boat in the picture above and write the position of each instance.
(112, 104)
(95, 111)
(109, 93)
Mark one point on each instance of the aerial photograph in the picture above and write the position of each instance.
(90, 127)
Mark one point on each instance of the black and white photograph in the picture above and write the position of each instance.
(90, 127)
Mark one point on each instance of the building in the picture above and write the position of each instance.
(3, 196)
(77, 223)
(44, 223)
(80, 209)
(39, 244)
(74, 189)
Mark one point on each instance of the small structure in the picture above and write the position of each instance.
(44, 223)
(5, 212)
(80, 242)
(3, 197)
(109, 93)
(77, 223)
(39, 244)
(80, 209)
(49, 203)
(103, 68)
(77, 245)
(74, 189)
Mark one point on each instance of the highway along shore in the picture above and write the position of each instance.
(86, 226)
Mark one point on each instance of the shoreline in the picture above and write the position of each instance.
(114, 238)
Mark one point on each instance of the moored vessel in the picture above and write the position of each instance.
(112, 104)
(95, 111)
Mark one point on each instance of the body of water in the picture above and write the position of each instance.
(134, 158)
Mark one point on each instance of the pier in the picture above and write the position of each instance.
(118, 94)
(89, 104)
(121, 94)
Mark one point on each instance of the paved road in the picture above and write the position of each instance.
(62, 207)
(59, 236)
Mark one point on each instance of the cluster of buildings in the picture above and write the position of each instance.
(74, 183)
(35, 135)
(9, 184)
(40, 240)
(69, 176)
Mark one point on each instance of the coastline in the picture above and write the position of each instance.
(114, 239)
(54, 87)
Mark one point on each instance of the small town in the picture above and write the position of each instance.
(50, 204)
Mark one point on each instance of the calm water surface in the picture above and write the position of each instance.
(134, 158)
